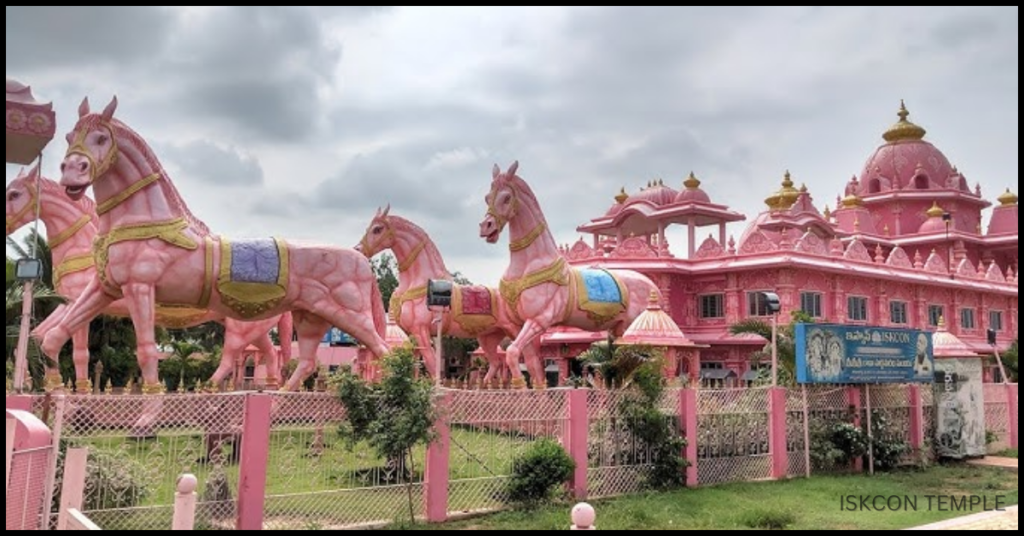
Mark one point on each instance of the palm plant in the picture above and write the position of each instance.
(786, 343)
(613, 366)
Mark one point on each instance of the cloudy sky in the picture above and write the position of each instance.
(300, 122)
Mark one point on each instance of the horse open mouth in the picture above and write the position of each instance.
(75, 192)
(494, 237)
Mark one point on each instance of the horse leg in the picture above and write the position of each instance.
(141, 301)
(90, 305)
(357, 323)
(531, 330)
(51, 321)
(266, 347)
(426, 343)
(531, 354)
(489, 343)
(80, 339)
(311, 329)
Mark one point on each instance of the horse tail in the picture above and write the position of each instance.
(286, 332)
(380, 316)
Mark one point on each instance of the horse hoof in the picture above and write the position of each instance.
(519, 384)
(54, 384)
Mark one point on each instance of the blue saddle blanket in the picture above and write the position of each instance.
(601, 287)
(255, 261)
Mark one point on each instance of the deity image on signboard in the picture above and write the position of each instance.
(825, 354)
(922, 365)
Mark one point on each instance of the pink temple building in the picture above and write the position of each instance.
(905, 246)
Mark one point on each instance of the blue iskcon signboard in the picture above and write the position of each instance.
(828, 353)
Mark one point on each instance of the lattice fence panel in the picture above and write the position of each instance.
(931, 421)
(23, 508)
(829, 406)
(796, 443)
(489, 430)
(890, 405)
(139, 445)
(315, 482)
(733, 440)
(997, 416)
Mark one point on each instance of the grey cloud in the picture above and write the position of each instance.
(76, 37)
(205, 163)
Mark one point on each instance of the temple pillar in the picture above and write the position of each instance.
(692, 230)
(721, 234)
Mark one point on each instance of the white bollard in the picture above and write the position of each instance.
(583, 517)
(185, 503)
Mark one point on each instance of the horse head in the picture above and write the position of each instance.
(22, 195)
(92, 150)
(502, 203)
(380, 235)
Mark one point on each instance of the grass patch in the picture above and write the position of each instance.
(1008, 454)
(796, 505)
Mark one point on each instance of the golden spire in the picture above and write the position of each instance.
(904, 130)
(852, 200)
(787, 180)
(691, 183)
(622, 197)
(803, 189)
(936, 211)
(786, 197)
(827, 214)
(1008, 199)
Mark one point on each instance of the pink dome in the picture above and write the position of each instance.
(693, 192)
(655, 328)
(395, 337)
(907, 162)
(945, 344)
(658, 195)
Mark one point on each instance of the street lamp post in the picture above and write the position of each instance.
(774, 306)
(439, 298)
(28, 271)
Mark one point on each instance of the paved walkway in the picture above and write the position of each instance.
(1009, 464)
(987, 521)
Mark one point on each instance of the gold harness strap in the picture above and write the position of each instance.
(528, 240)
(171, 232)
(65, 235)
(512, 291)
(399, 300)
(114, 202)
(71, 265)
(414, 256)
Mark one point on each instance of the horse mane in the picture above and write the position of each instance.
(124, 133)
(430, 249)
(527, 196)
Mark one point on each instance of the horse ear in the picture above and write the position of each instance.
(379, 212)
(34, 172)
(386, 211)
(495, 172)
(83, 109)
(513, 168)
(108, 112)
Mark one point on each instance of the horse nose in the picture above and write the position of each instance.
(83, 166)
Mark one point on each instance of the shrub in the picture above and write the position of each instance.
(113, 480)
(538, 473)
(841, 444)
(768, 520)
(652, 429)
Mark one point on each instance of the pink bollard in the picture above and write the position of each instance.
(583, 517)
(185, 503)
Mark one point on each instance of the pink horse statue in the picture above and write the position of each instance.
(539, 287)
(151, 249)
(477, 312)
(71, 227)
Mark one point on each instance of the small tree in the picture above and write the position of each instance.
(786, 342)
(393, 417)
(1010, 362)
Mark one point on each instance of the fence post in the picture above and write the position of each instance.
(252, 478)
(12, 426)
(185, 503)
(1011, 401)
(916, 419)
(27, 505)
(72, 495)
(19, 402)
(437, 474)
(688, 414)
(777, 432)
(576, 446)
(856, 407)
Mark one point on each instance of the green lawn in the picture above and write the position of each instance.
(1008, 454)
(809, 504)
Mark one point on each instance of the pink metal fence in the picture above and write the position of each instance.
(997, 416)
(278, 461)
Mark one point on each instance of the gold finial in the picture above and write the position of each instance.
(654, 301)
(1008, 199)
(904, 130)
(622, 197)
(691, 182)
(942, 321)
(803, 189)
(936, 211)
(852, 200)
(786, 197)
(828, 213)
(787, 180)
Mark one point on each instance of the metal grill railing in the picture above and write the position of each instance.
(733, 443)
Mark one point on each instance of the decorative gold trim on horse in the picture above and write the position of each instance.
(600, 313)
(95, 169)
(204, 298)
(399, 300)
(528, 240)
(414, 255)
(251, 300)
(171, 232)
(154, 389)
(125, 195)
(513, 290)
(65, 235)
(71, 265)
(179, 316)
(473, 325)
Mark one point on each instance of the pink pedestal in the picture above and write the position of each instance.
(777, 433)
(576, 445)
(252, 481)
(688, 410)
(435, 487)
